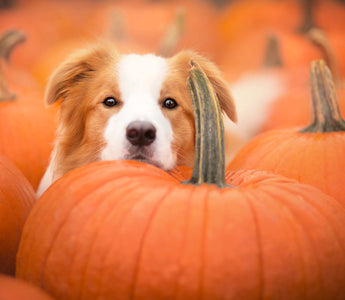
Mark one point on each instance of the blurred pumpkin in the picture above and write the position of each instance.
(45, 23)
(27, 128)
(313, 155)
(16, 289)
(244, 26)
(16, 199)
(128, 230)
(147, 23)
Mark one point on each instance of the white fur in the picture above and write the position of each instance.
(48, 177)
(254, 94)
(140, 82)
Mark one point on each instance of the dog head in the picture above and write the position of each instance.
(132, 106)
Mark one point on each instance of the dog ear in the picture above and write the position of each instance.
(216, 78)
(78, 67)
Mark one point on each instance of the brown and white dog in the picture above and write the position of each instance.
(131, 106)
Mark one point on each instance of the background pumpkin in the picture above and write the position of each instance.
(27, 128)
(313, 155)
(16, 289)
(127, 230)
(16, 199)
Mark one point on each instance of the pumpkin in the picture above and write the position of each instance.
(45, 23)
(313, 155)
(27, 128)
(147, 23)
(128, 230)
(16, 199)
(16, 289)
(244, 26)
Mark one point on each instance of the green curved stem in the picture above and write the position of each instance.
(209, 161)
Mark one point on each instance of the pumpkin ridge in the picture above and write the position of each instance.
(143, 238)
(247, 196)
(283, 155)
(340, 146)
(123, 180)
(294, 223)
(320, 212)
(106, 215)
(56, 234)
(330, 224)
(303, 230)
(24, 190)
(110, 212)
(14, 211)
(202, 246)
(291, 139)
(183, 246)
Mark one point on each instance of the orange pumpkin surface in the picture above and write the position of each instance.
(27, 128)
(314, 155)
(16, 289)
(45, 23)
(128, 230)
(16, 199)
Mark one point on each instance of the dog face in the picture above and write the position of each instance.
(126, 107)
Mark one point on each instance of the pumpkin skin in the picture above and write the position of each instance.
(128, 230)
(314, 155)
(122, 230)
(16, 199)
(27, 127)
(315, 158)
(16, 289)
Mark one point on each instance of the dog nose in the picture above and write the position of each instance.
(141, 133)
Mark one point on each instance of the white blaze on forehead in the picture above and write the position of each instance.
(140, 83)
(142, 73)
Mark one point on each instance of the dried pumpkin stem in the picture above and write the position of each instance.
(8, 41)
(319, 38)
(173, 35)
(308, 21)
(272, 54)
(7, 3)
(325, 110)
(209, 162)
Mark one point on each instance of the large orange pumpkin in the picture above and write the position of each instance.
(16, 289)
(16, 199)
(127, 230)
(313, 155)
(27, 128)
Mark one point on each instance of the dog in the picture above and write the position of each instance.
(126, 106)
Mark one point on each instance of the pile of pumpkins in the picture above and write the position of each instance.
(269, 225)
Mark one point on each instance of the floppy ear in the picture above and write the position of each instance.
(216, 78)
(78, 67)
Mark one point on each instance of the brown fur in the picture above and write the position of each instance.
(88, 77)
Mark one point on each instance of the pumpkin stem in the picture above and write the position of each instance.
(272, 54)
(117, 28)
(308, 21)
(325, 110)
(319, 38)
(173, 35)
(7, 3)
(209, 161)
(8, 41)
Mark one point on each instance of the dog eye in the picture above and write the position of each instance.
(169, 103)
(110, 102)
